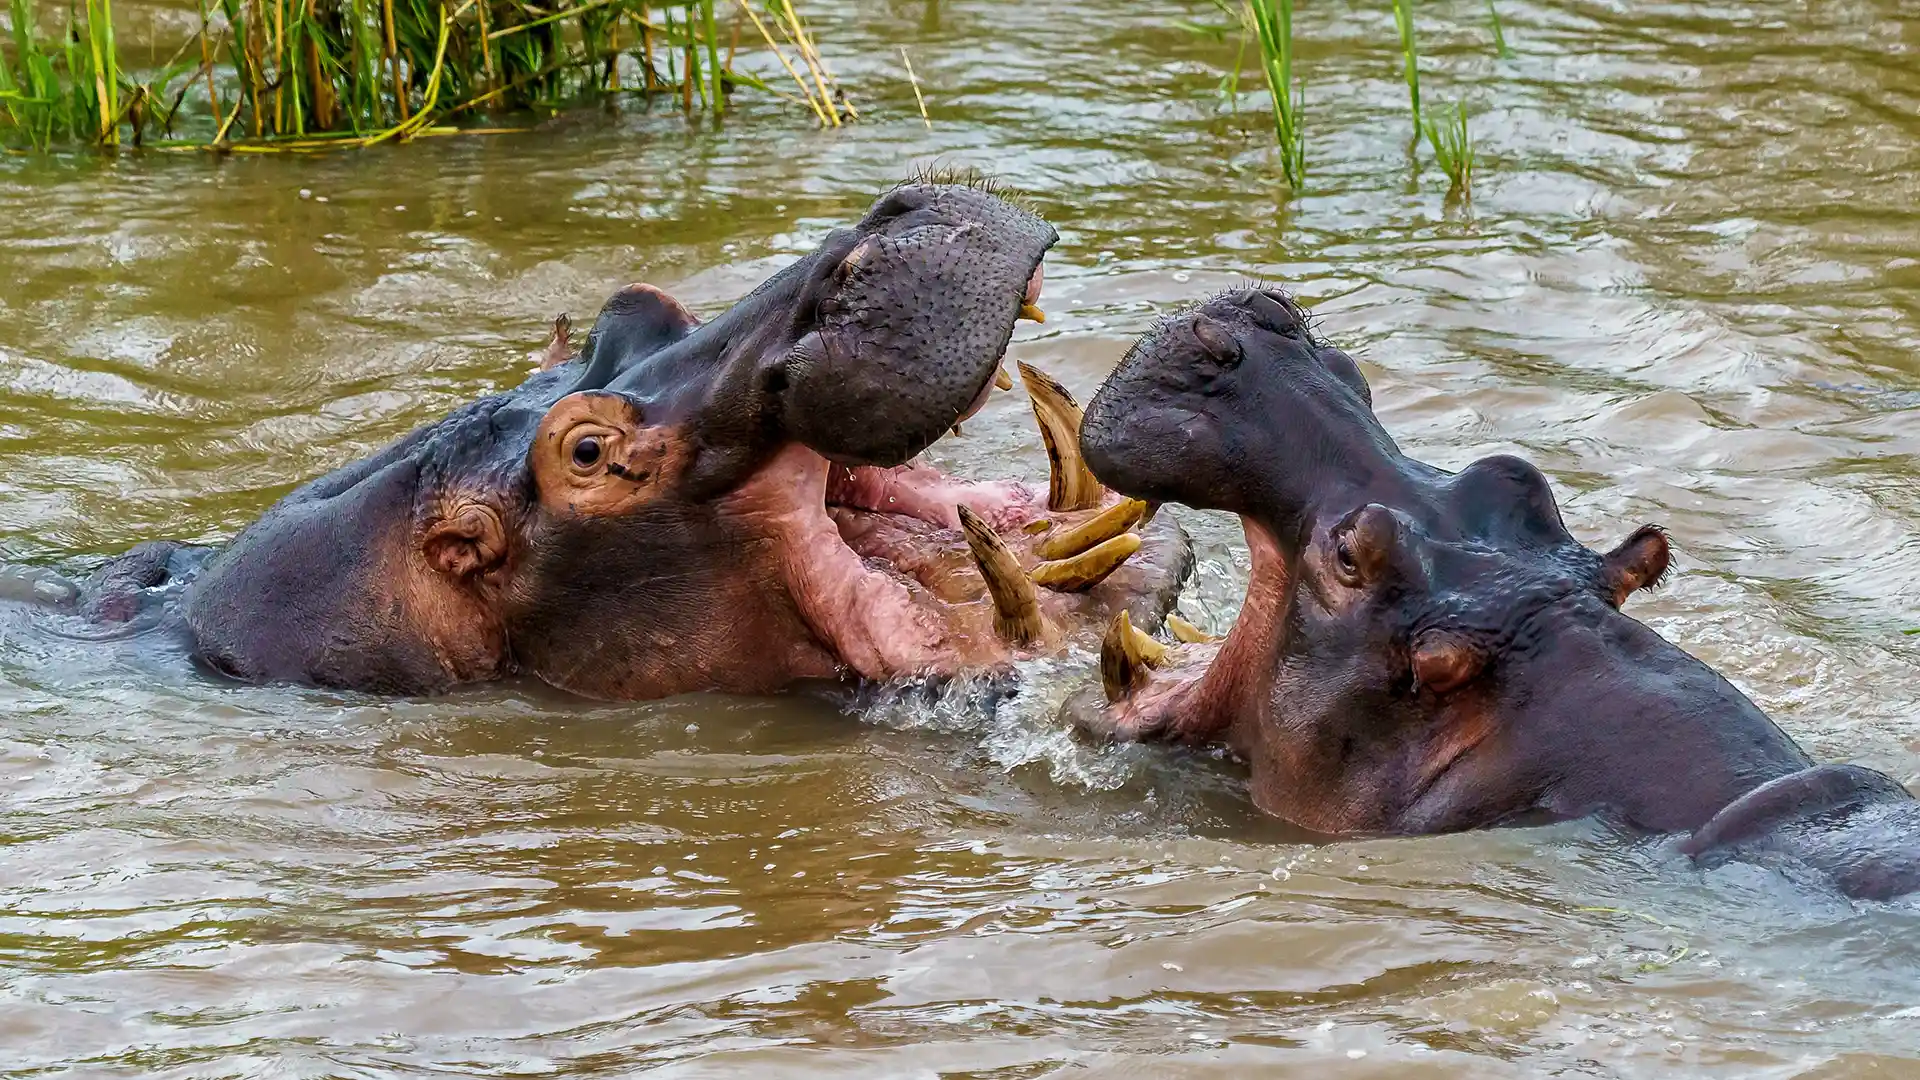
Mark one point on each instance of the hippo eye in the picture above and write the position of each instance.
(586, 452)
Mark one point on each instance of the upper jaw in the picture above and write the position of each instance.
(909, 337)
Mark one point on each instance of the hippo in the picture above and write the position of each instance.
(730, 506)
(1423, 651)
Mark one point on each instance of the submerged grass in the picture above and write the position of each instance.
(1450, 139)
(309, 75)
(1452, 147)
(1269, 23)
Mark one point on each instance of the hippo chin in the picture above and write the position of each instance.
(730, 506)
(1423, 651)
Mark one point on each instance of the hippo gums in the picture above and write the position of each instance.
(1423, 651)
(723, 506)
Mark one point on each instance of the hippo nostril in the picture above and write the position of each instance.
(1273, 311)
(1220, 344)
(586, 452)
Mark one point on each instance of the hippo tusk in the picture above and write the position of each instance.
(1032, 312)
(1187, 633)
(1087, 569)
(1016, 605)
(1001, 379)
(1126, 654)
(1108, 524)
(1070, 484)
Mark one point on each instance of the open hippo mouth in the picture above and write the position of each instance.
(760, 469)
(732, 505)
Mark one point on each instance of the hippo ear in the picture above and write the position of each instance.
(1638, 563)
(1442, 662)
(468, 541)
(1364, 545)
(559, 347)
(595, 455)
(633, 324)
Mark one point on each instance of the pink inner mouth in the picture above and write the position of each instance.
(876, 564)
(921, 491)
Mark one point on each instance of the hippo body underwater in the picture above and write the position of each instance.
(725, 506)
(1423, 651)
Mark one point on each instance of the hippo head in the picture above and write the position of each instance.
(728, 505)
(1419, 650)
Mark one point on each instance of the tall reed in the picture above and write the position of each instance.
(1273, 26)
(1499, 35)
(1450, 140)
(309, 75)
(1409, 58)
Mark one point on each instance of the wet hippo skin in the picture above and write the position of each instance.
(729, 506)
(1423, 651)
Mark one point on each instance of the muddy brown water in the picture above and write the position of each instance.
(1686, 287)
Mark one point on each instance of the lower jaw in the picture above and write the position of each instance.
(876, 565)
(905, 569)
(1202, 692)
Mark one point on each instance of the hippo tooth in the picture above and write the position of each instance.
(1032, 311)
(1087, 569)
(1126, 654)
(1070, 484)
(1001, 379)
(1187, 633)
(1108, 524)
(1016, 605)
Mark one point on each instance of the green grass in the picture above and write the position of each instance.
(1409, 58)
(1452, 147)
(1270, 24)
(315, 75)
(1499, 36)
(1273, 26)
(1448, 137)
